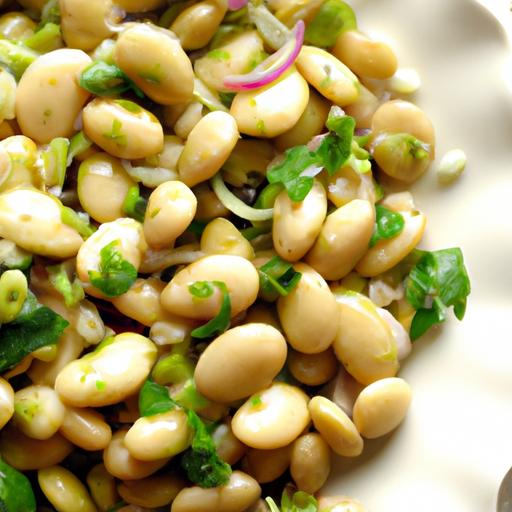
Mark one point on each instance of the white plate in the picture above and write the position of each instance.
(456, 444)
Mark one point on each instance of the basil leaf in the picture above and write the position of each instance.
(104, 79)
(201, 462)
(219, 323)
(16, 494)
(134, 205)
(388, 224)
(72, 292)
(35, 326)
(116, 275)
(438, 281)
(333, 17)
(154, 399)
(277, 277)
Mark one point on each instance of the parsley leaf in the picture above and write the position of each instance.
(116, 275)
(154, 399)
(35, 326)
(438, 281)
(16, 493)
(388, 224)
(277, 277)
(104, 79)
(334, 151)
(201, 462)
(72, 292)
(219, 323)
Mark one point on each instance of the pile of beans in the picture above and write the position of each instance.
(292, 381)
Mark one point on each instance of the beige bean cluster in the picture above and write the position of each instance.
(291, 380)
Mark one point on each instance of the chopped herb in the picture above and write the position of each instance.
(153, 76)
(256, 401)
(260, 126)
(388, 224)
(35, 326)
(333, 152)
(219, 323)
(131, 106)
(277, 277)
(77, 221)
(154, 399)
(294, 501)
(254, 232)
(104, 79)
(16, 494)
(439, 280)
(333, 17)
(101, 385)
(72, 292)
(116, 135)
(219, 54)
(116, 275)
(134, 205)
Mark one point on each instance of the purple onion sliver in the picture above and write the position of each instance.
(235, 5)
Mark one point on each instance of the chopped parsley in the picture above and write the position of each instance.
(388, 224)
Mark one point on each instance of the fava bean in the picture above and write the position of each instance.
(381, 407)
(239, 275)
(313, 369)
(343, 240)
(347, 184)
(64, 491)
(240, 362)
(188, 119)
(329, 76)
(296, 225)
(364, 342)
(274, 109)
(221, 237)
(273, 418)
(102, 487)
(339, 504)
(236, 496)
(157, 437)
(229, 448)
(308, 313)
(364, 56)
(335, 427)
(197, 24)
(401, 335)
(267, 465)
(310, 462)
(13, 292)
(109, 374)
(25, 453)
(171, 208)
(6, 402)
(151, 492)
(154, 59)
(8, 87)
(140, 5)
(208, 146)
(385, 254)
(119, 462)
(86, 429)
(32, 220)
(342, 390)
(16, 26)
(48, 98)
(363, 108)
(208, 205)
(259, 313)
(122, 128)
(22, 153)
(38, 412)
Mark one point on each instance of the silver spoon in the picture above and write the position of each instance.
(504, 503)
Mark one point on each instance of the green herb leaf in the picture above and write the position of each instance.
(297, 501)
(333, 17)
(277, 277)
(35, 326)
(134, 205)
(154, 399)
(388, 224)
(438, 281)
(16, 494)
(72, 292)
(104, 79)
(116, 275)
(201, 462)
(219, 323)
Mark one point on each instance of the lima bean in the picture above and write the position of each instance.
(151, 492)
(221, 237)
(85, 428)
(267, 465)
(6, 402)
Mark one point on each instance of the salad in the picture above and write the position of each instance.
(209, 262)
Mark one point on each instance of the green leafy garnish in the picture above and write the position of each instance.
(294, 501)
(116, 275)
(227, 98)
(333, 17)
(116, 134)
(72, 291)
(201, 462)
(334, 151)
(388, 224)
(16, 494)
(35, 326)
(154, 399)
(104, 79)
(220, 322)
(134, 205)
(55, 161)
(438, 281)
(277, 277)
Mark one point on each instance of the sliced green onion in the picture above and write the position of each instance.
(134, 205)
(77, 145)
(46, 39)
(78, 222)
(55, 162)
(237, 206)
(277, 277)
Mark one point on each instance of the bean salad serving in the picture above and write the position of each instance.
(209, 262)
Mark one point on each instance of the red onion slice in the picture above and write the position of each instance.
(235, 5)
(272, 67)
